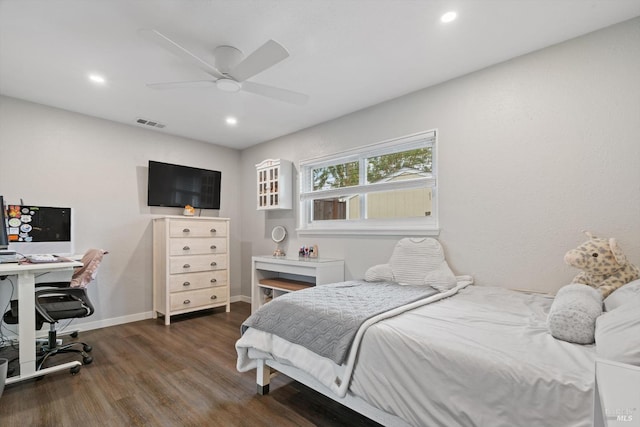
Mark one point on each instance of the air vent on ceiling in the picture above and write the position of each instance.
(149, 123)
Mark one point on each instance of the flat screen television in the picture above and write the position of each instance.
(176, 186)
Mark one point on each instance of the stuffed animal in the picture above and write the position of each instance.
(604, 265)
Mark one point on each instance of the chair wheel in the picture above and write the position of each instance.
(75, 370)
(73, 335)
(87, 360)
(87, 348)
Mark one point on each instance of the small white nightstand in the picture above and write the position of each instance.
(274, 276)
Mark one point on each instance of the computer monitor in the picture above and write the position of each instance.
(6, 255)
(39, 229)
(4, 239)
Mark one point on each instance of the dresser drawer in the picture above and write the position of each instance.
(191, 281)
(191, 228)
(197, 245)
(193, 263)
(198, 298)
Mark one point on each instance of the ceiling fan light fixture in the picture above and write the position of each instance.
(228, 85)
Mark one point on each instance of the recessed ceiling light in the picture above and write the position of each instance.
(448, 17)
(97, 79)
(231, 121)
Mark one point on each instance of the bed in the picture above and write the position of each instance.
(464, 356)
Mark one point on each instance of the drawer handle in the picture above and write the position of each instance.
(214, 280)
(186, 284)
(213, 230)
(214, 297)
(186, 301)
(214, 247)
(185, 230)
(186, 248)
(186, 266)
(213, 264)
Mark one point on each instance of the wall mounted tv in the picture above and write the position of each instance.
(177, 186)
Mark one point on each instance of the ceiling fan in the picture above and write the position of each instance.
(232, 69)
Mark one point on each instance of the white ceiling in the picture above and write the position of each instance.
(345, 54)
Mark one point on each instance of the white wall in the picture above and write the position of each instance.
(531, 152)
(53, 157)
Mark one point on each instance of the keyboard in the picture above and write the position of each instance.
(42, 258)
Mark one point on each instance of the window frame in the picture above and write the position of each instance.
(423, 226)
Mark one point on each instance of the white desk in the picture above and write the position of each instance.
(27, 315)
(314, 271)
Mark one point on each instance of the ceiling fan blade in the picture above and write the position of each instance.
(275, 93)
(160, 39)
(181, 85)
(264, 57)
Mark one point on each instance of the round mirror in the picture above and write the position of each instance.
(278, 233)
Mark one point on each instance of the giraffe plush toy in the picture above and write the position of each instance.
(604, 266)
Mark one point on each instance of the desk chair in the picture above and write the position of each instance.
(63, 300)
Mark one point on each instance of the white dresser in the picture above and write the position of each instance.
(190, 264)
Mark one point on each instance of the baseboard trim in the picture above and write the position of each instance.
(241, 298)
(105, 323)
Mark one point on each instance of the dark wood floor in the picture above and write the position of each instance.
(147, 374)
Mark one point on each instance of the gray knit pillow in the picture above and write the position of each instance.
(573, 313)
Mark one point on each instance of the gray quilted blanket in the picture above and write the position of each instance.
(326, 318)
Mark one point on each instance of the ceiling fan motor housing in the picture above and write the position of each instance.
(227, 57)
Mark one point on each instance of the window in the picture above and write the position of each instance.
(385, 188)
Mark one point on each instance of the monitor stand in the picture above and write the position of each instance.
(8, 256)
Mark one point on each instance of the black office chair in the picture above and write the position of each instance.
(63, 300)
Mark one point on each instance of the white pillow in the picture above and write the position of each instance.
(415, 261)
(379, 273)
(441, 279)
(622, 295)
(573, 313)
(618, 333)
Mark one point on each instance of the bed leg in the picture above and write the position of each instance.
(263, 377)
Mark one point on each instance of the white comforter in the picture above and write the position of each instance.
(481, 358)
(255, 344)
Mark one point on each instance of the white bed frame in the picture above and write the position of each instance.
(267, 369)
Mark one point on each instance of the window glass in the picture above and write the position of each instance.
(376, 189)
(399, 203)
(336, 176)
(390, 166)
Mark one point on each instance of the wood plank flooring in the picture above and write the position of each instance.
(147, 374)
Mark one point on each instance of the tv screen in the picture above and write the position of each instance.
(177, 186)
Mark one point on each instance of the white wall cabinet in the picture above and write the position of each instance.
(274, 276)
(190, 265)
(274, 184)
